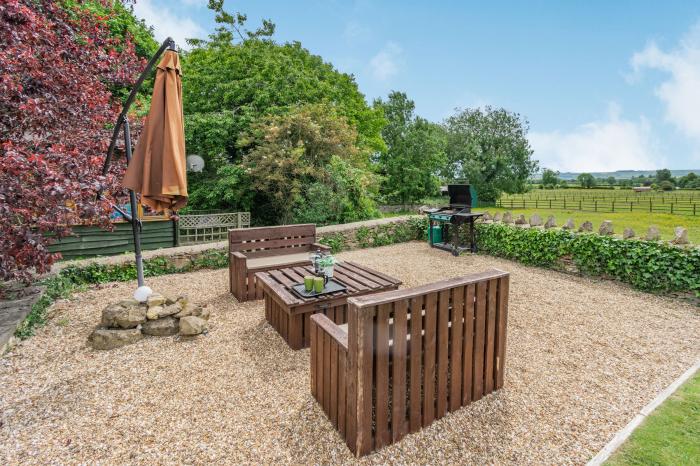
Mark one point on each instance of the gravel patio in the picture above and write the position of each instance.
(583, 356)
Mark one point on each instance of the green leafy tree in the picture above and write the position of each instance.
(238, 79)
(691, 180)
(611, 180)
(664, 175)
(415, 152)
(550, 178)
(489, 147)
(586, 180)
(307, 160)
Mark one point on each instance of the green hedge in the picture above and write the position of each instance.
(646, 265)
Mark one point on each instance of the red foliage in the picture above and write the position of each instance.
(56, 108)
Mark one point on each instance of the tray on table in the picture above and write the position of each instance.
(332, 286)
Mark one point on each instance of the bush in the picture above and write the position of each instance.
(666, 186)
(648, 266)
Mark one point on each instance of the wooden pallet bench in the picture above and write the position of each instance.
(289, 313)
(253, 250)
(407, 357)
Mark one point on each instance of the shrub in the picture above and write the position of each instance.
(648, 266)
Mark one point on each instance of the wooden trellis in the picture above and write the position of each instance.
(205, 228)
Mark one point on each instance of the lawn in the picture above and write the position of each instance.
(670, 436)
(638, 221)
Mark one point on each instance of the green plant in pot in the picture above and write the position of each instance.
(326, 264)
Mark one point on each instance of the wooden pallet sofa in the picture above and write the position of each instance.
(253, 250)
(407, 357)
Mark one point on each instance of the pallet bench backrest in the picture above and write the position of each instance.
(272, 241)
(410, 356)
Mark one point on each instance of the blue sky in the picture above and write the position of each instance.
(606, 85)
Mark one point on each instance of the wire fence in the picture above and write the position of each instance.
(650, 205)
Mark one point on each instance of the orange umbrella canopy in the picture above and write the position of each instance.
(158, 169)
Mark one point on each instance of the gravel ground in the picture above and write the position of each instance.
(583, 357)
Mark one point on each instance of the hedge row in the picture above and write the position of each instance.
(646, 265)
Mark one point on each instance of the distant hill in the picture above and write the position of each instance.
(626, 174)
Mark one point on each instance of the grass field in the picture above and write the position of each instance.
(688, 195)
(670, 436)
(638, 221)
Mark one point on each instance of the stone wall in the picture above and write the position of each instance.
(606, 228)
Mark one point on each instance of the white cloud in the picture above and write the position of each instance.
(386, 63)
(680, 92)
(605, 145)
(356, 33)
(165, 23)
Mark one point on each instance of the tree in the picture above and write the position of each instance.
(691, 180)
(664, 175)
(489, 147)
(611, 180)
(307, 160)
(55, 108)
(415, 152)
(550, 178)
(238, 79)
(586, 180)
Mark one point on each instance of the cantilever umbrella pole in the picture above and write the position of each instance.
(135, 220)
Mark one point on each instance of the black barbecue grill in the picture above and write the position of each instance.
(444, 222)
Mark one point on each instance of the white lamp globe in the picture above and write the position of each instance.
(142, 293)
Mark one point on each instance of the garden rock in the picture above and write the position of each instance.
(551, 222)
(680, 236)
(628, 233)
(157, 312)
(487, 216)
(115, 315)
(106, 339)
(497, 217)
(653, 234)
(507, 217)
(569, 225)
(155, 299)
(192, 325)
(535, 220)
(192, 310)
(606, 228)
(163, 327)
(520, 220)
(586, 226)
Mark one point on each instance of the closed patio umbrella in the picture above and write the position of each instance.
(157, 169)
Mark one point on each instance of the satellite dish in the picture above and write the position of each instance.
(195, 163)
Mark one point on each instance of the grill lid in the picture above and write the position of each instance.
(460, 196)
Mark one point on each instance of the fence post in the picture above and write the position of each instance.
(564, 203)
(580, 207)
(595, 205)
(649, 205)
(671, 207)
(613, 205)
(694, 208)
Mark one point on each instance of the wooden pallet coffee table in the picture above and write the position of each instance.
(289, 314)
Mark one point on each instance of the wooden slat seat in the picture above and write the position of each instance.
(285, 260)
(260, 249)
(407, 357)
